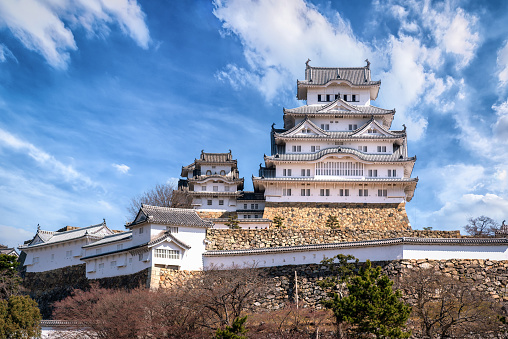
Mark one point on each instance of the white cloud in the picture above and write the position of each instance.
(66, 172)
(41, 25)
(122, 168)
(14, 236)
(274, 32)
(6, 53)
(502, 64)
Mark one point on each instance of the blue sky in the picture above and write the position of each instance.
(101, 100)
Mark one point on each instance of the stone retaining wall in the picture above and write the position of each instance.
(226, 239)
(50, 286)
(204, 214)
(491, 275)
(382, 217)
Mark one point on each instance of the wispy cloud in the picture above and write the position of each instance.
(41, 25)
(5, 53)
(124, 169)
(66, 172)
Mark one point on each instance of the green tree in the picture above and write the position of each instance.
(232, 222)
(372, 306)
(234, 331)
(278, 221)
(332, 222)
(10, 281)
(19, 318)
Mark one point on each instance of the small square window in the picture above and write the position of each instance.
(221, 202)
(203, 188)
(215, 188)
(244, 206)
(209, 202)
(226, 188)
(101, 265)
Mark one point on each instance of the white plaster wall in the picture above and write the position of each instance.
(139, 237)
(249, 203)
(202, 204)
(335, 123)
(195, 238)
(108, 247)
(363, 95)
(54, 256)
(375, 253)
(198, 186)
(273, 193)
(439, 252)
(307, 144)
(215, 169)
(132, 265)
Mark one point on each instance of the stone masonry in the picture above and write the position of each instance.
(383, 217)
(227, 239)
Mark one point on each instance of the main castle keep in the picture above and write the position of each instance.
(336, 158)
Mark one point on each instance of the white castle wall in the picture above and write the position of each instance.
(55, 256)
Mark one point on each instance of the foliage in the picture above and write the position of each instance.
(481, 226)
(19, 318)
(234, 331)
(332, 222)
(341, 267)
(10, 281)
(428, 228)
(278, 221)
(372, 306)
(232, 222)
(447, 307)
(163, 195)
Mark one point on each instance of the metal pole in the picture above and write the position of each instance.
(296, 288)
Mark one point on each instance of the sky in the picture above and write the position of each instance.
(102, 100)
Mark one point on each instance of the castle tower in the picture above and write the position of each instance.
(213, 182)
(336, 155)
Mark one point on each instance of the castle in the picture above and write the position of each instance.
(336, 157)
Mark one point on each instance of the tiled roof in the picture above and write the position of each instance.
(367, 243)
(111, 238)
(395, 157)
(169, 216)
(247, 195)
(321, 109)
(8, 251)
(168, 235)
(216, 157)
(49, 237)
(340, 135)
(359, 76)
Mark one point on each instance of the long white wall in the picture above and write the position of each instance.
(54, 256)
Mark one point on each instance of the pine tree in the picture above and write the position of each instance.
(19, 318)
(278, 221)
(372, 306)
(234, 331)
(332, 222)
(232, 222)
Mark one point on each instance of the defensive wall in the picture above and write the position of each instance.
(365, 216)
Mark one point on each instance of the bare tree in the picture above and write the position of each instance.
(446, 307)
(481, 226)
(164, 195)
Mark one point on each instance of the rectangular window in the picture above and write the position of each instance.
(203, 188)
(140, 230)
(344, 192)
(381, 148)
(373, 173)
(328, 97)
(324, 192)
(363, 193)
(303, 172)
(172, 229)
(101, 265)
(52, 256)
(315, 148)
(140, 257)
(319, 97)
(382, 193)
(256, 216)
(215, 188)
(286, 192)
(325, 127)
(167, 254)
(251, 206)
(392, 173)
(353, 97)
(305, 192)
(336, 96)
(353, 127)
(35, 260)
(345, 97)
(244, 206)
(112, 264)
(119, 247)
(245, 216)
(226, 188)
(209, 202)
(248, 216)
(221, 202)
(68, 254)
(362, 148)
(256, 206)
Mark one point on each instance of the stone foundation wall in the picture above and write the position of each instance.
(227, 239)
(50, 286)
(491, 275)
(383, 217)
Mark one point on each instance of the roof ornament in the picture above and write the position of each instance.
(404, 125)
(307, 63)
(104, 221)
(272, 126)
(38, 227)
(368, 63)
